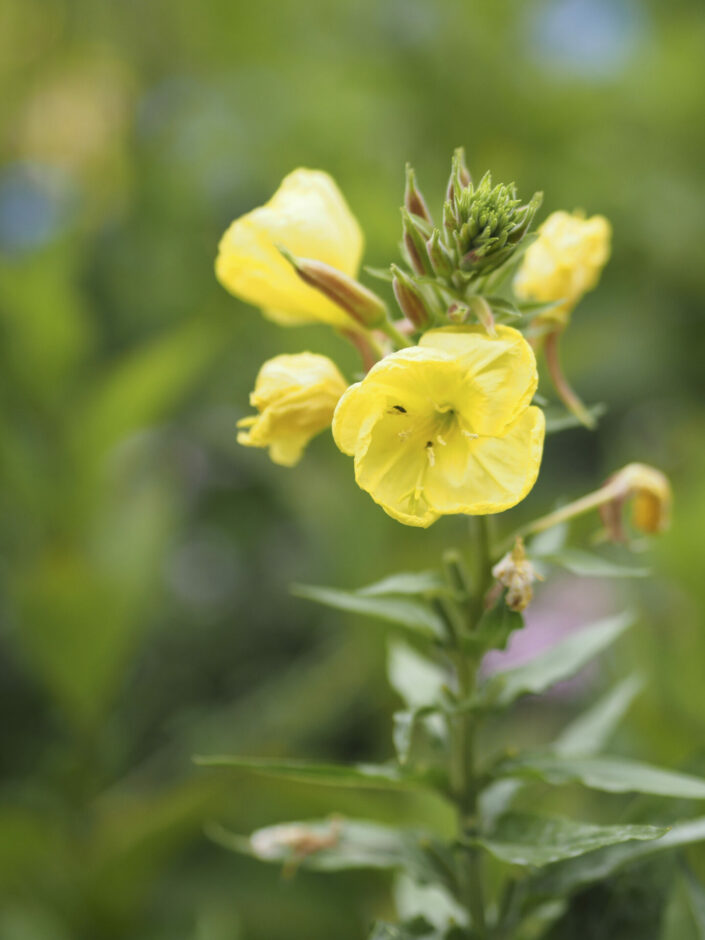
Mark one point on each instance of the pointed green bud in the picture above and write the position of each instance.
(410, 298)
(439, 256)
(414, 202)
(354, 298)
(416, 233)
(459, 175)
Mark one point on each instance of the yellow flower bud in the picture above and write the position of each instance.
(651, 496)
(295, 397)
(515, 572)
(307, 216)
(564, 262)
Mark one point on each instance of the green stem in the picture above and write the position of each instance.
(561, 384)
(398, 338)
(463, 733)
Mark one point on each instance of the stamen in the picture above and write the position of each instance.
(400, 408)
(440, 440)
(430, 453)
(403, 435)
(469, 434)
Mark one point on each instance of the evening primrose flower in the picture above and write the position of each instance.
(308, 217)
(295, 397)
(446, 426)
(564, 262)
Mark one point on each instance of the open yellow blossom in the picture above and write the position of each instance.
(295, 397)
(446, 426)
(310, 218)
(564, 262)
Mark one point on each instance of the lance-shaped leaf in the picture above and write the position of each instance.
(493, 629)
(526, 839)
(559, 419)
(408, 612)
(335, 845)
(584, 736)
(369, 776)
(419, 681)
(420, 583)
(589, 565)
(417, 929)
(556, 664)
(695, 895)
(608, 774)
(574, 874)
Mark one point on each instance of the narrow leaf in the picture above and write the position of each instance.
(494, 628)
(410, 613)
(524, 839)
(589, 733)
(589, 565)
(371, 776)
(418, 680)
(574, 874)
(556, 664)
(429, 583)
(558, 419)
(609, 774)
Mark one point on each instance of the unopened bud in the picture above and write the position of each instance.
(416, 233)
(410, 298)
(354, 298)
(459, 175)
(651, 496)
(517, 574)
(413, 200)
(439, 256)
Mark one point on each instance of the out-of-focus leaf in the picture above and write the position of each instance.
(405, 723)
(525, 839)
(589, 732)
(558, 419)
(334, 845)
(374, 776)
(678, 922)
(494, 628)
(432, 901)
(406, 612)
(695, 894)
(556, 664)
(609, 774)
(417, 929)
(537, 921)
(429, 583)
(573, 874)
(417, 679)
(589, 565)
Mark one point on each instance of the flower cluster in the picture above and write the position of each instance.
(443, 421)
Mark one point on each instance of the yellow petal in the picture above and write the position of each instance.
(500, 375)
(487, 474)
(309, 216)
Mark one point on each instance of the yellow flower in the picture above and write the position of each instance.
(651, 496)
(564, 262)
(446, 426)
(310, 218)
(295, 397)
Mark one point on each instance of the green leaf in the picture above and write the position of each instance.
(369, 776)
(558, 419)
(608, 774)
(574, 874)
(433, 901)
(556, 664)
(525, 839)
(418, 680)
(429, 583)
(405, 723)
(410, 613)
(589, 565)
(695, 897)
(417, 929)
(382, 274)
(493, 629)
(589, 732)
(342, 845)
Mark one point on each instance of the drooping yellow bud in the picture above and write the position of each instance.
(515, 572)
(651, 496)
(295, 396)
(564, 262)
(309, 217)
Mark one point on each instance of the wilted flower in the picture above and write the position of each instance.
(446, 426)
(564, 262)
(295, 397)
(516, 573)
(651, 496)
(307, 216)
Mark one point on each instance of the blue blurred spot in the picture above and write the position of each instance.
(35, 205)
(591, 38)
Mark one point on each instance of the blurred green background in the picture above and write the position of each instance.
(145, 557)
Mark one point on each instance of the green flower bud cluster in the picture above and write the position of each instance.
(481, 230)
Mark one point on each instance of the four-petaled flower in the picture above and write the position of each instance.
(295, 397)
(564, 262)
(309, 217)
(446, 426)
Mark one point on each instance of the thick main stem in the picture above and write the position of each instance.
(463, 727)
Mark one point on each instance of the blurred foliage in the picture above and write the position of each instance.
(144, 557)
